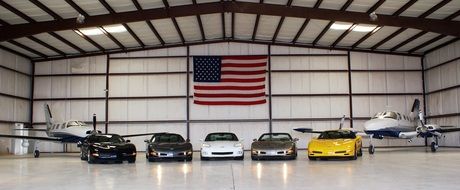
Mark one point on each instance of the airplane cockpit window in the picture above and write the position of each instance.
(388, 114)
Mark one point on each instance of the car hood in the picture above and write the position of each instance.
(109, 145)
(171, 146)
(272, 144)
(332, 142)
(222, 143)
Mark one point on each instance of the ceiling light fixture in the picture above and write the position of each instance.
(97, 31)
(336, 26)
(364, 28)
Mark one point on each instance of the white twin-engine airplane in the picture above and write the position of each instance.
(395, 125)
(71, 131)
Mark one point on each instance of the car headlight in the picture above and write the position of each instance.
(205, 145)
(187, 152)
(238, 145)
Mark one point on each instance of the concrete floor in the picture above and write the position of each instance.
(402, 168)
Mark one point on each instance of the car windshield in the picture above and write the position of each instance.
(105, 138)
(275, 137)
(221, 137)
(337, 135)
(388, 114)
(167, 138)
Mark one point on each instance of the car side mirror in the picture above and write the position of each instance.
(254, 140)
(188, 140)
(146, 140)
(296, 139)
(128, 141)
(79, 143)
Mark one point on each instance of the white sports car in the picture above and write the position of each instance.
(222, 145)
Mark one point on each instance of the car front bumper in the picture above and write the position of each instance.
(330, 153)
(170, 155)
(210, 152)
(273, 154)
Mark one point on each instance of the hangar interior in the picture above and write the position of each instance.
(140, 79)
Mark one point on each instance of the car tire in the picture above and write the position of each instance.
(132, 160)
(151, 159)
(254, 158)
(204, 158)
(311, 158)
(360, 152)
(240, 157)
(189, 159)
(355, 155)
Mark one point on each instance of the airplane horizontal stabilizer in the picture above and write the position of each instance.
(448, 129)
(31, 138)
(30, 129)
(306, 130)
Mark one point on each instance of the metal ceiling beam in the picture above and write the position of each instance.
(63, 40)
(396, 13)
(27, 48)
(423, 15)
(81, 11)
(200, 24)
(427, 43)
(233, 25)
(305, 23)
(280, 23)
(173, 18)
(57, 17)
(328, 26)
(31, 20)
(344, 34)
(152, 28)
(432, 25)
(130, 31)
(14, 51)
(256, 24)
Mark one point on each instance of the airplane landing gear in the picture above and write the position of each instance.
(371, 146)
(434, 145)
(371, 149)
(36, 151)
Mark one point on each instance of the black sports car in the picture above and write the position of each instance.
(168, 146)
(107, 147)
(274, 146)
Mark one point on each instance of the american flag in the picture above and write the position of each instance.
(229, 80)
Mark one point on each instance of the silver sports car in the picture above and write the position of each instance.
(274, 146)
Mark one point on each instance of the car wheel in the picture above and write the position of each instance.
(203, 158)
(360, 152)
(311, 158)
(254, 158)
(355, 155)
(240, 157)
(188, 159)
(131, 160)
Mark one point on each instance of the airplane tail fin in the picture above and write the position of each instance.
(415, 109)
(48, 117)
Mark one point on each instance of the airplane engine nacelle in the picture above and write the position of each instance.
(25, 143)
(408, 135)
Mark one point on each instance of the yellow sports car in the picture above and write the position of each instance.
(335, 144)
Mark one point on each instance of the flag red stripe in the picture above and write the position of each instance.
(245, 57)
(243, 80)
(242, 72)
(229, 87)
(229, 95)
(243, 65)
(222, 103)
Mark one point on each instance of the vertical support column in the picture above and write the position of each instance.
(350, 93)
(270, 129)
(107, 69)
(188, 93)
(423, 87)
(31, 101)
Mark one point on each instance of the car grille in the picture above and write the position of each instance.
(221, 153)
(340, 152)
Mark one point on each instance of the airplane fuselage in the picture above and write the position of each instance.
(70, 131)
(390, 124)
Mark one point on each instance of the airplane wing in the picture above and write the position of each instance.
(306, 130)
(448, 129)
(137, 135)
(31, 138)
